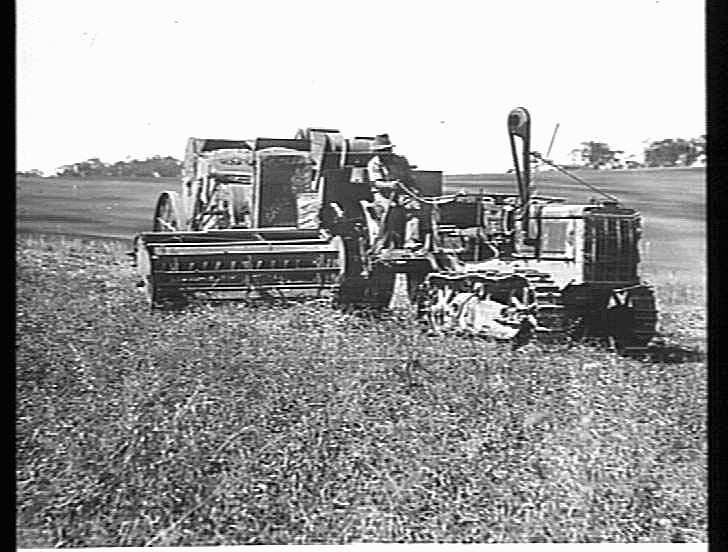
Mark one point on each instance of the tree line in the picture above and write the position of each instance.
(152, 167)
(669, 152)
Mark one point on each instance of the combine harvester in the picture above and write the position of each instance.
(291, 218)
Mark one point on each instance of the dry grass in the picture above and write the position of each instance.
(233, 425)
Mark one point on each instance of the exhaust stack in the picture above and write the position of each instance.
(519, 124)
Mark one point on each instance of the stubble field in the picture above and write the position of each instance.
(232, 425)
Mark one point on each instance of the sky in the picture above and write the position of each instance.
(112, 79)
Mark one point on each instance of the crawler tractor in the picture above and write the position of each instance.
(285, 218)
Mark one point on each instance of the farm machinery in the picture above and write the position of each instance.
(267, 219)
(300, 217)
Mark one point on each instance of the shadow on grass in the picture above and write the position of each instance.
(669, 353)
(660, 350)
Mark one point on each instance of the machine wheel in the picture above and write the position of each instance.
(156, 297)
(455, 303)
(547, 298)
(168, 213)
(628, 317)
(633, 317)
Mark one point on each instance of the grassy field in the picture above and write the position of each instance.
(233, 425)
(115, 209)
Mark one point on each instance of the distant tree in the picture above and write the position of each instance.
(153, 167)
(598, 154)
(93, 167)
(66, 170)
(699, 145)
(31, 172)
(673, 152)
(169, 166)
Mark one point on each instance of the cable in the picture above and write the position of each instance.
(537, 171)
(439, 200)
(574, 177)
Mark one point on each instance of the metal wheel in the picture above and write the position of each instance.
(157, 297)
(495, 305)
(168, 213)
(627, 316)
(632, 317)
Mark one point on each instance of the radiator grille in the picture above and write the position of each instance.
(610, 248)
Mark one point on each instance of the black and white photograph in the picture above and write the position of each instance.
(360, 272)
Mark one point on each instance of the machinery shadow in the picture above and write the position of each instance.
(667, 353)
